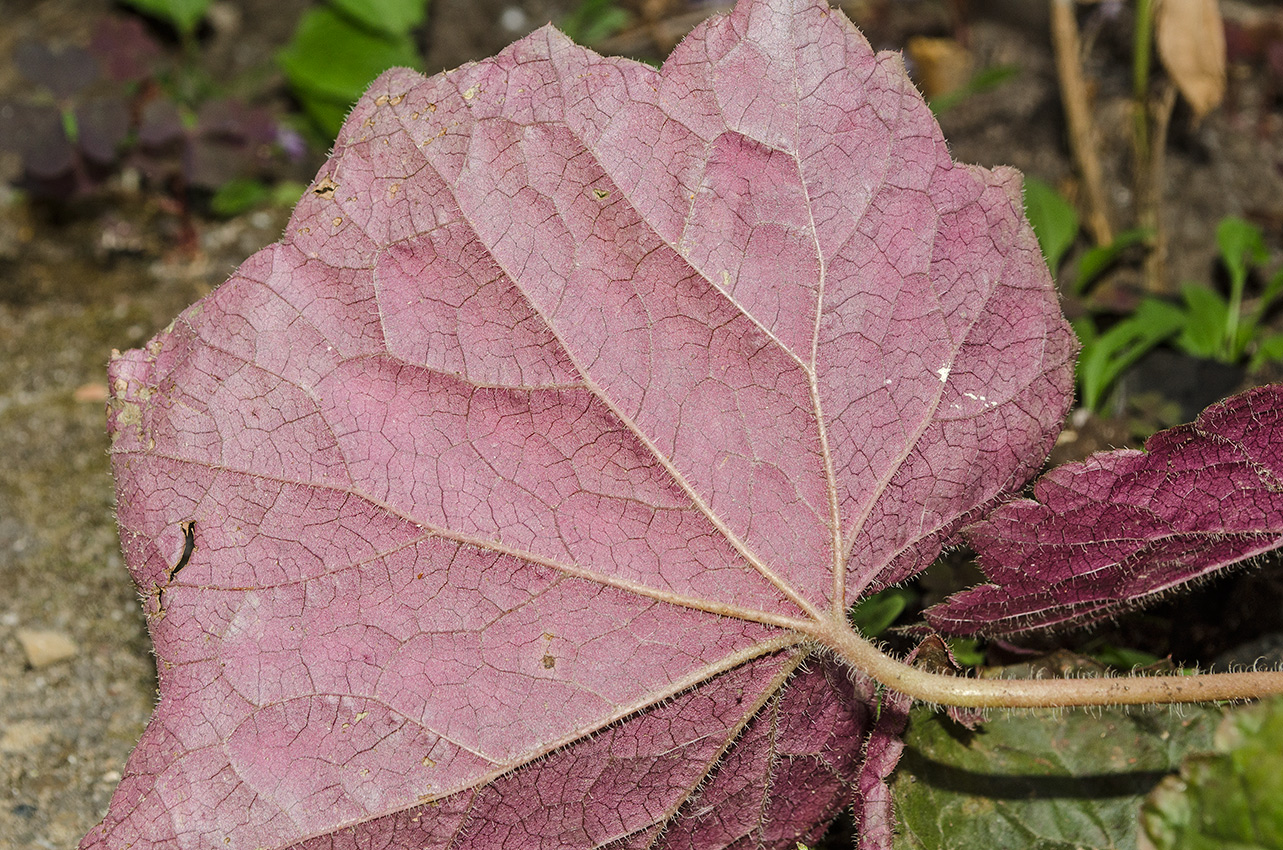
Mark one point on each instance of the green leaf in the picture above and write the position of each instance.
(1105, 356)
(874, 614)
(238, 195)
(1205, 322)
(1242, 246)
(327, 113)
(967, 651)
(390, 17)
(1230, 798)
(182, 15)
(332, 60)
(286, 193)
(593, 21)
(1269, 350)
(1042, 779)
(1053, 218)
(1121, 657)
(1272, 291)
(1095, 261)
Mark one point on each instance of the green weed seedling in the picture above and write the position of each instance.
(1105, 354)
(984, 80)
(1056, 224)
(1219, 328)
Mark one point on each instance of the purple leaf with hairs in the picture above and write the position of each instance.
(1123, 527)
(499, 504)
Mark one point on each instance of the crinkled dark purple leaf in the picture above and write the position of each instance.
(1124, 526)
(576, 397)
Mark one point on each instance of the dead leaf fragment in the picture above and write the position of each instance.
(43, 647)
(1191, 46)
(942, 64)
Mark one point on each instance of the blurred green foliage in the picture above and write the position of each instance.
(593, 21)
(183, 15)
(1230, 797)
(339, 48)
(874, 614)
(1106, 353)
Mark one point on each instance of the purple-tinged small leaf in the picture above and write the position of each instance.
(103, 125)
(232, 121)
(1122, 527)
(35, 131)
(64, 72)
(161, 124)
(123, 48)
(577, 399)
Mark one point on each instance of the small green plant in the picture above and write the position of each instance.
(1054, 221)
(128, 102)
(188, 82)
(1056, 224)
(1229, 796)
(1220, 328)
(1106, 353)
(241, 194)
(374, 36)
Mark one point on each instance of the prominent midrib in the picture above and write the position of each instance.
(674, 474)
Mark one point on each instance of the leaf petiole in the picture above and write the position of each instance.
(947, 690)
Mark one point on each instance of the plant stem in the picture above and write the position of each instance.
(1149, 142)
(1140, 76)
(1149, 191)
(1078, 120)
(947, 690)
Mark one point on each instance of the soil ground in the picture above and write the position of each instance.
(77, 282)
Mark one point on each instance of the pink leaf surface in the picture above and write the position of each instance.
(578, 398)
(1124, 526)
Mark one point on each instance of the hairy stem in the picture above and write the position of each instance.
(1043, 693)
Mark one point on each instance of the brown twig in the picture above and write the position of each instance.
(1082, 133)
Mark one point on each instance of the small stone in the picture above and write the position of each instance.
(95, 391)
(45, 646)
(24, 736)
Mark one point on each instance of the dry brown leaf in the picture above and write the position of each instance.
(1191, 46)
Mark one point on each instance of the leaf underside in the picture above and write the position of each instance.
(576, 395)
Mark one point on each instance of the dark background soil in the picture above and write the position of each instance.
(77, 280)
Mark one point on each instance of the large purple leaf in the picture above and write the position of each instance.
(501, 504)
(1125, 526)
